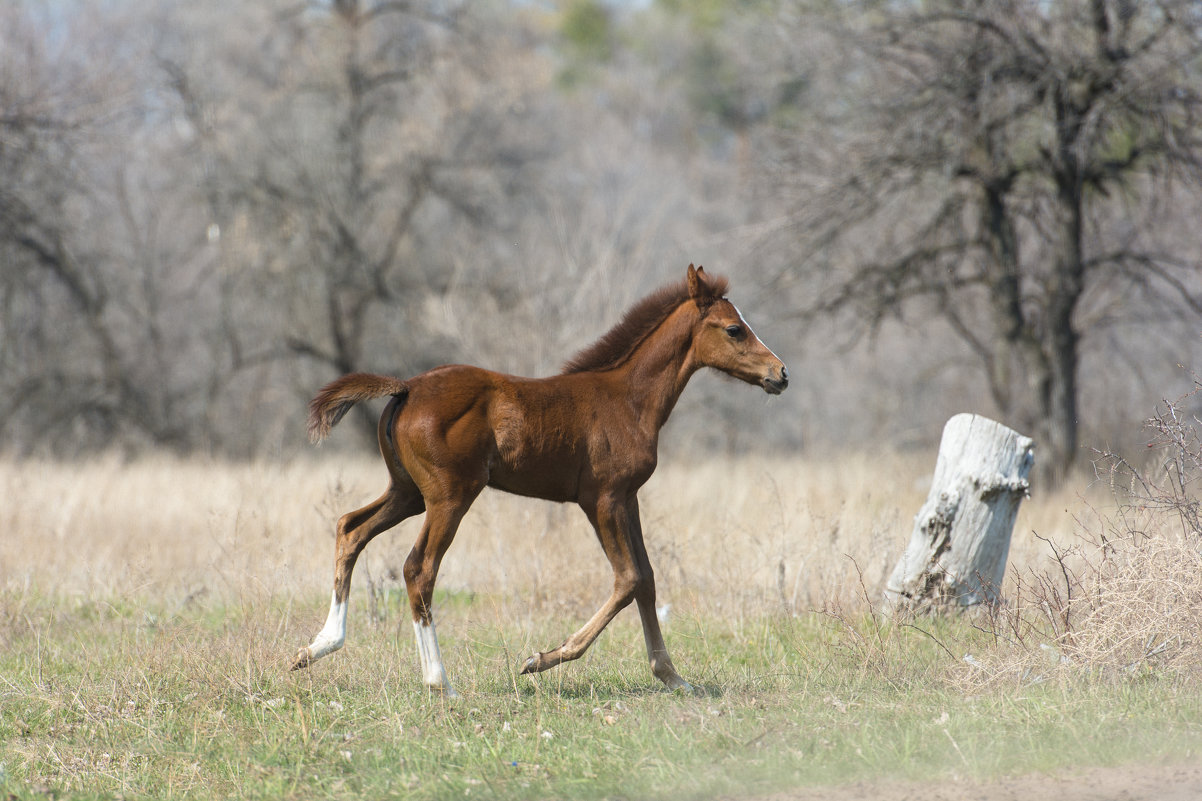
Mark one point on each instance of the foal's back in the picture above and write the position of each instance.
(540, 437)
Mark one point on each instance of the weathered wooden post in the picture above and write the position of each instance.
(957, 553)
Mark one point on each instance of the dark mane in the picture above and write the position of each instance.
(637, 324)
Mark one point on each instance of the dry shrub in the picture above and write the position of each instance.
(1125, 595)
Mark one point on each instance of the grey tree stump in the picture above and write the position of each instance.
(957, 552)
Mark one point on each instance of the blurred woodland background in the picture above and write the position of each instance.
(207, 210)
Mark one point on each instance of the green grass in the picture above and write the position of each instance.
(106, 699)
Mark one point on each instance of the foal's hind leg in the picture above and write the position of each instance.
(355, 530)
(421, 571)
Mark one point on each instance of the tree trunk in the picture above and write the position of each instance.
(957, 553)
(1065, 288)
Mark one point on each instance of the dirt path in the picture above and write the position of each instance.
(1180, 783)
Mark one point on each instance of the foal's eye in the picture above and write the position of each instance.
(734, 331)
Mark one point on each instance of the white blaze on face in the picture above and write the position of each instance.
(332, 634)
(433, 672)
(743, 320)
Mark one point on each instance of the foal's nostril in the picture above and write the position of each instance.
(784, 374)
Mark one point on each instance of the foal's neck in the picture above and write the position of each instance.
(661, 366)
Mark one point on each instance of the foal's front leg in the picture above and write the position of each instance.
(617, 525)
(609, 518)
(657, 650)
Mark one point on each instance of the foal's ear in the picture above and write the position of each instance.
(699, 289)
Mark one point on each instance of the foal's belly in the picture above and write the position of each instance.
(546, 481)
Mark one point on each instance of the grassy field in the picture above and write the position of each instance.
(149, 612)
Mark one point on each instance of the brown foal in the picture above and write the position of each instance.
(588, 435)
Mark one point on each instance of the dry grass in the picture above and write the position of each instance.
(731, 537)
(1088, 583)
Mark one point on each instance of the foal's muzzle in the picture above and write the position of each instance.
(775, 385)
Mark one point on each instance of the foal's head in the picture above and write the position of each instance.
(724, 341)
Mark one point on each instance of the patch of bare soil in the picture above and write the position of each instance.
(1131, 783)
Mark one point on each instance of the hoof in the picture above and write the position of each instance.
(302, 660)
(678, 685)
(447, 691)
(531, 665)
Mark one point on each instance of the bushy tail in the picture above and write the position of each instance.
(336, 398)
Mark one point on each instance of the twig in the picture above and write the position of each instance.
(932, 636)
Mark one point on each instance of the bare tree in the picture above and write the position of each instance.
(1001, 168)
(344, 144)
(86, 341)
